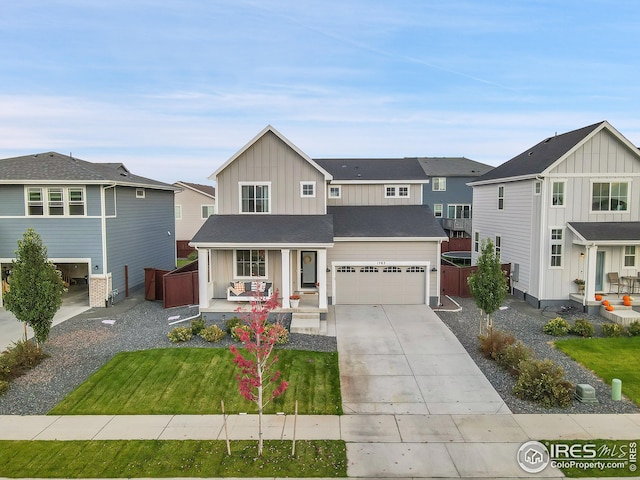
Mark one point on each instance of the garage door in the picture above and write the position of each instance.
(388, 284)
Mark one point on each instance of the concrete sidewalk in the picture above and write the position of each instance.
(378, 446)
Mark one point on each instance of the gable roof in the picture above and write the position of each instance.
(373, 169)
(453, 167)
(53, 167)
(542, 157)
(386, 221)
(264, 131)
(207, 190)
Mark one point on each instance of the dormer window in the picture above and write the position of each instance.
(254, 197)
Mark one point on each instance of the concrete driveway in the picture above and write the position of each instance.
(402, 359)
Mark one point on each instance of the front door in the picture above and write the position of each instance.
(599, 270)
(309, 271)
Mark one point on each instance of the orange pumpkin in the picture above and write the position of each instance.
(598, 298)
(609, 308)
(626, 297)
(627, 302)
(605, 303)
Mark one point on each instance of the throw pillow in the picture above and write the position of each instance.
(239, 286)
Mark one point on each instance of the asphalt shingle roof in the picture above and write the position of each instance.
(54, 166)
(608, 231)
(206, 189)
(379, 169)
(453, 167)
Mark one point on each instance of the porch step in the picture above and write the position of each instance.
(621, 314)
(308, 323)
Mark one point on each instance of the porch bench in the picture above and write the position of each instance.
(248, 291)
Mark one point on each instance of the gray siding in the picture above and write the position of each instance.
(270, 159)
(191, 203)
(374, 194)
(457, 193)
(141, 235)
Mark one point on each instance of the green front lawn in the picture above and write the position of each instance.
(176, 381)
(609, 358)
(170, 458)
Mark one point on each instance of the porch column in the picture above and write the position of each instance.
(286, 277)
(590, 277)
(322, 278)
(203, 277)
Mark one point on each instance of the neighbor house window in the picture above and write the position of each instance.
(307, 189)
(630, 256)
(396, 191)
(206, 211)
(501, 197)
(439, 184)
(609, 196)
(476, 241)
(254, 197)
(59, 201)
(251, 263)
(557, 195)
(335, 191)
(437, 210)
(498, 246)
(458, 211)
(178, 212)
(556, 247)
(537, 187)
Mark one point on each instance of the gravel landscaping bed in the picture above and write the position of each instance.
(78, 347)
(525, 323)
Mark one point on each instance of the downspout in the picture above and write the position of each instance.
(438, 273)
(543, 234)
(103, 220)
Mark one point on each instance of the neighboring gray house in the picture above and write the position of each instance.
(564, 209)
(194, 204)
(101, 224)
(338, 231)
(447, 192)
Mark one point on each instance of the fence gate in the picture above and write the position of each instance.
(175, 288)
(453, 280)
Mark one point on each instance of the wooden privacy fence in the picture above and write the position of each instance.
(456, 245)
(453, 280)
(175, 288)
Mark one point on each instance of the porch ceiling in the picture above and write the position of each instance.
(612, 233)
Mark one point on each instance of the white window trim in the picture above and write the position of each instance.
(178, 212)
(477, 241)
(537, 188)
(209, 207)
(501, 197)
(141, 193)
(435, 211)
(66, 202)
(609, 181)
(235, 265)
(339, 188)
(631, 256)
(433, 184)
(455, 208)
(259, 184)
(556, 242)
(307, 184)
(396, 191)
(564, 193)
(498, 248)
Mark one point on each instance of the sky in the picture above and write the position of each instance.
(174, 88)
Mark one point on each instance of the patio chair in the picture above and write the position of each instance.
(614, 279)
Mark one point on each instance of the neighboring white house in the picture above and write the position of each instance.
(194, 203)
(343, 231)
(567, 208)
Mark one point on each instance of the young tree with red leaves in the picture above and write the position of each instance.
(257, 382)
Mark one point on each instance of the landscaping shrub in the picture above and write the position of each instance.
(634, 328)
(612, 330)
(180, 334)
(235, 332)
(542, 381)
(583, 328)
(557, 327)
(4, 386)
(21, 356)
(193, 256)
(212, 333)
(282, 334)
(494, 342)
(232, 323)
(197, 324)
(512, 356)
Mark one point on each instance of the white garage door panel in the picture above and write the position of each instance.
(359, 285)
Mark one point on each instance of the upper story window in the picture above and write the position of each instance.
(437, 210)
(458, 211)
(55, 201)
(501, 197)
(439, 184)
(610, 196)
(335, 191)
(557, 194)
(254, 197)
(308, 189)
(140, 193)
(206, 211)
(178, 210)
(557, 242)
(396, 191)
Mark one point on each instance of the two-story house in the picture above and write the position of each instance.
(564, 209)
(347, 231)
(194, 204)
(102, 225)
(447, 192)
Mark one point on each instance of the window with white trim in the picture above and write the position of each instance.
(178, 209)
(396, 191)
(557, 236)
(630, 256)
(498, 246)
(55, 201)
(254, 197)
(610, 196)
(537, 187)
(476, 241)
(308, 189)
(437, 210)
(439, 184)
(251, 263)
(206, 211)
(140, 193)
(501, 197)
(335, 191)
(458, 211)
(557, 194)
